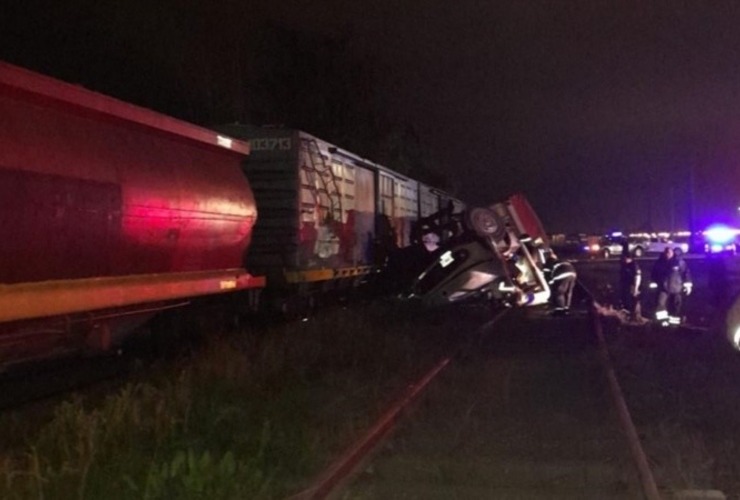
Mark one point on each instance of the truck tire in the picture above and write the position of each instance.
(486, 223)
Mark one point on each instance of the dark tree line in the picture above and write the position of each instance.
(211, 63)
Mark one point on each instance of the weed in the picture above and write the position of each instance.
(253, 414)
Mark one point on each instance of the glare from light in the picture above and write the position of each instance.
(224, 141)
(476, 280)
(446, 259)
(733, 324)
(720, 234)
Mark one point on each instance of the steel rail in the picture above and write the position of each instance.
(346, 466)
(348, 463)
(649, 487)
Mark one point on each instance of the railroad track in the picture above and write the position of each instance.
(55, 379)
(531, 409)
(51, 379)
(37, 380)
(347, 465)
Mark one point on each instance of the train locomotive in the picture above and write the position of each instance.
(110, 213)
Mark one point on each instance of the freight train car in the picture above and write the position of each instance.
(109, 212)
(328, 218)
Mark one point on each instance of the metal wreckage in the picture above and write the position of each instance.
(492, 253)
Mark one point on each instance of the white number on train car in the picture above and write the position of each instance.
(271, 144)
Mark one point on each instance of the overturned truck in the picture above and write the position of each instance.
(496, 255)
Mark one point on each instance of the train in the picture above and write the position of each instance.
(111, 213)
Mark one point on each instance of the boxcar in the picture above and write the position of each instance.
(328, 217)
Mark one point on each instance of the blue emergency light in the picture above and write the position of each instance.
(720, 234)
(720, 238)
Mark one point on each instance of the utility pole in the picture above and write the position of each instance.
(691, 198)
(650, 194)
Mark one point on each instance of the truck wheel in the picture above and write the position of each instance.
(486, 223)
(639, 252)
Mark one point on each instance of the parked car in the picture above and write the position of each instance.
(658, 244)
(612, 245)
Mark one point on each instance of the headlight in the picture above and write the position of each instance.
(733, 324)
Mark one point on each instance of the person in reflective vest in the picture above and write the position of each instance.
(561, 277)
(671, 277)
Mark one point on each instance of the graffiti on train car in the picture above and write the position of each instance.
(325, 211)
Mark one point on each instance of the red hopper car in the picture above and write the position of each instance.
(108, 210)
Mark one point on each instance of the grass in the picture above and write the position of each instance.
(253, 414)
(258, 413)
(681, 388)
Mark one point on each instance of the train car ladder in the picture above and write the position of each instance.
(320, 170)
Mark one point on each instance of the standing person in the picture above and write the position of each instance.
(671, 277)
(630, 277)
(561, 277)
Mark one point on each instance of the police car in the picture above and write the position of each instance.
(721, 239)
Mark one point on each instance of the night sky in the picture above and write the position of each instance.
(607, 115)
